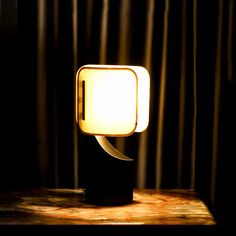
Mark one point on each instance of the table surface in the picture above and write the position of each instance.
(67, 206)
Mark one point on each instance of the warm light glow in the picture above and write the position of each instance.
(112, 100)
(143, 97)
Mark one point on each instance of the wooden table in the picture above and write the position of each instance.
(65, 211)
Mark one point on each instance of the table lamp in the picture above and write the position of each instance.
(111, 101)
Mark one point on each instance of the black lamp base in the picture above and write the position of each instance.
(107, 197)
(107, 180)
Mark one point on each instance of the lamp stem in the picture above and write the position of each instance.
(110, 149)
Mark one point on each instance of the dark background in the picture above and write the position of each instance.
(23, 163)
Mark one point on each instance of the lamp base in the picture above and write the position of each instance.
(107, 197)
(107, 181)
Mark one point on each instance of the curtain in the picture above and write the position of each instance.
(187, 47)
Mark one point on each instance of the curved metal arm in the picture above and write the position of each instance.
(110, 149)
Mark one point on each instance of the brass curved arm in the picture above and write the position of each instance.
(110, 149)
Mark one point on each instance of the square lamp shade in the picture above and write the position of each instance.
(112, 100)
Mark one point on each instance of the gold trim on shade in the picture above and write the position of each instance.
(79, 101)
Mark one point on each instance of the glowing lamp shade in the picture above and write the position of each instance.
(112, 100)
